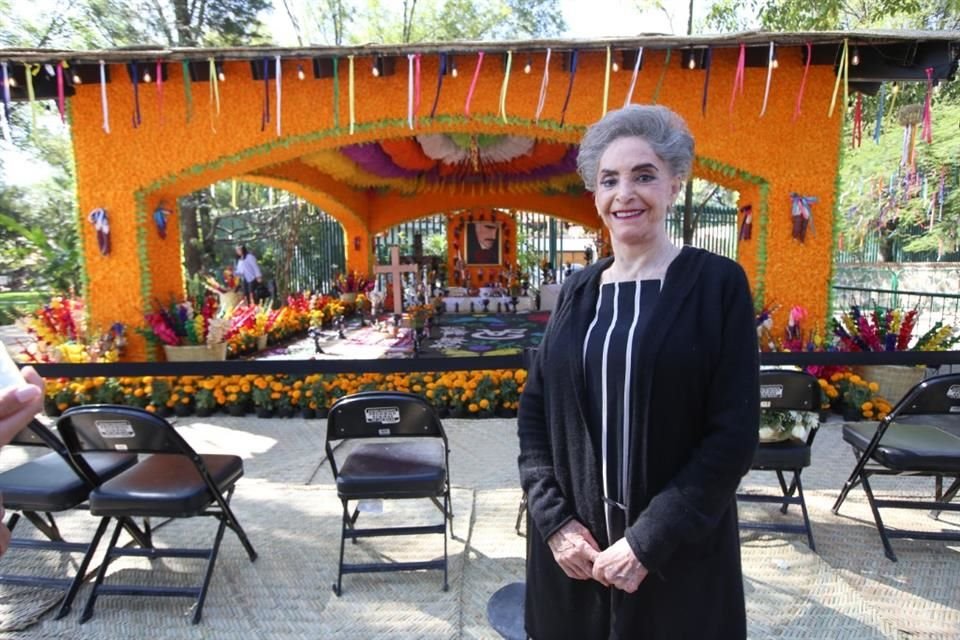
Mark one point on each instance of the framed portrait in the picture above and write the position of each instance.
(484, 243)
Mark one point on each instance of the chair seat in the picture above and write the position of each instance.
(788, 454)
(50, 484)
(393, 470)
(164, 485)
(909, 447)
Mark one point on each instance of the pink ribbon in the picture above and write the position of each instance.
(738, 76)
(473, 84)
(803, 82)
(60, 106)
(926, 133)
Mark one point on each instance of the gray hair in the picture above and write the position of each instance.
(664, 130)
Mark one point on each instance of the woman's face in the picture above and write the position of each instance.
(239, 251)
(635, 187)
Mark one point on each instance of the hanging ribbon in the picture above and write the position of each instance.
(606, 82)
(101, 224)
(278, 75)
(633, 78)
(416, 86)
(214, 94)
(336, 93)
(746, 223)
(663, 74)
(473, 84)
(60, 105)
(104, 106)
(136, 95)
(160, 89)
(409, 91)
(766, 90)
(31, 70)
(573, 74)
(738, 76)
(842, 75)
(879, 120)
(893, 99)
(542, 100)
(5, 116)
(706, 80)
(187, 89)
(926, 133)
(442, 72)
(801, 210)
(351, 102)
(857, 129)
(265, 110)
(803, 82)
(504, 85)
(233, 193)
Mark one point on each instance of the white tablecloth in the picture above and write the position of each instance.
(461, 304)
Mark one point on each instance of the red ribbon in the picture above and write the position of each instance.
(803, 82)
(858, 121)
(416, 85)
(473, 84)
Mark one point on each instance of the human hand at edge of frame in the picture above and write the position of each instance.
(18, 404)
(574, 549)
(617, 566)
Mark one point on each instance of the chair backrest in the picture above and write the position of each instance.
(107, 427)
(938, 395)
(36, 434)
(382, 414)
(788, 390)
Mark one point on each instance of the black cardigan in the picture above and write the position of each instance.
(696, 411)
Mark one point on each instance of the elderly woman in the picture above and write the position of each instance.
(633, 442)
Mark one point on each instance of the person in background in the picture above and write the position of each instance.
(19, 403)
(640, 414)
(249, 273)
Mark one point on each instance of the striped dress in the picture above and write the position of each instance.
(622, 314)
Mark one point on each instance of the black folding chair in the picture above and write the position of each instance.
(48, 484)
(920, 437)
(174, 482)
(784, 390)
(392, 468)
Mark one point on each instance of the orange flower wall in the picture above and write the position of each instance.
(131, 171)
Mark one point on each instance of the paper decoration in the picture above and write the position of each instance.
(801, 211)
(98, 217)
(160, 215)
(746, 222)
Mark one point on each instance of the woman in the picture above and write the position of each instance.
(249, 272)
(632, 444)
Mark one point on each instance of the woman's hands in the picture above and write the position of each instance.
(617, 566)
(575, 550)
(579, 555)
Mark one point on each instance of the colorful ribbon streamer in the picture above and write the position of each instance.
(5, 115)
(60, 97)
(104, 106)
(504, 86)
(214, 94)
(706, 80)
(351, 102)
(843, 73)
(926, 133)
(278, 75)
(473, 84)
(544, 82)
(738, 76)
(803, 82)
(187, 90)
(857, 129)
(336, 93)
(879, 121)
(766, 90)
(159, 82)
(633, 78)
(573, 74)
(442, 71)
(606, 82)
(265, 110)
(663, 74)
(410, 87)
(101, 224)
(136, 95)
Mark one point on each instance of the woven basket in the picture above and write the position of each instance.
(894, 380)
(194, 353)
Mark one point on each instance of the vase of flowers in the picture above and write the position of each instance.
(348, 285)
(188, 331)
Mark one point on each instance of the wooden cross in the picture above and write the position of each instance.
(395, 270)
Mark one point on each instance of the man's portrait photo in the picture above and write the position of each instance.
(483, 243)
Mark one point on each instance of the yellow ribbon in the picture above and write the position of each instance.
(842, 74)
(214, 94)
(606, 83)
(503, 87)
(32, 70)
(350, 94)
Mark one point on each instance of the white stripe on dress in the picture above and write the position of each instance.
(628, 371)
(605, 393)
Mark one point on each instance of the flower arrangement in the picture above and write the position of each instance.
(420, 313)
(777, 425)
(855, 397)
(62, 334)
(182, 324)
(888, 329)
(353, 282)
